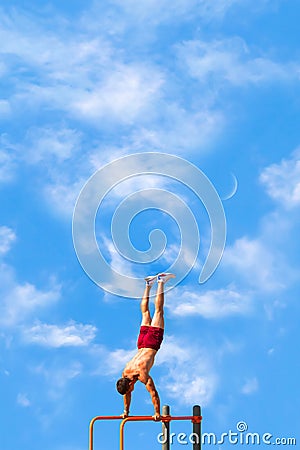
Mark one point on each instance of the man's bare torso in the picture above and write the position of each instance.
(139, 366)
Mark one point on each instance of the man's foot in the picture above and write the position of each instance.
(164, 277)
(150, 280)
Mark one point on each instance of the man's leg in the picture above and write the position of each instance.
(158, 318)
(146, 317)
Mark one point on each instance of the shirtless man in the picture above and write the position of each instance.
(149, 341)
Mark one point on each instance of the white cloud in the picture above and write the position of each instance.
(251, 385)
(217, 9)
(256, 263)
(71, 335)
(117, 359)
(7, 238)
(190, 377)
(116, 261)
(262, 264)
(214, 304)
(171, 253)
(82, 76)
(230, 61)
(156, 12)
(89, 80)
(125, 94)
(282, 181)
(5, 108)
(47, 142)
(140, 183)
(23, 37)
(22, 400)
(110, 362)
(62, 195)
(7, 160)
(58, 376)
(61, 175)
(178, 130)
(20, 301)
(102, 155)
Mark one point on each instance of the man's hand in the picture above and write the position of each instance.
(157, 416)
(124, 415)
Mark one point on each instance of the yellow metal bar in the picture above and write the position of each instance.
(194, 419)
(131, 419)
(91, 429)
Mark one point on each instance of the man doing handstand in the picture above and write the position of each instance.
(149, 341)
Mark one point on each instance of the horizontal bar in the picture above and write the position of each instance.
(141, 418)
(105, 418)
(194, 419)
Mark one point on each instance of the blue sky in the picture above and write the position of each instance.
(85, 83)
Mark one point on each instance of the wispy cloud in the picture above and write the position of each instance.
(57, 376)
(84, 77)
(7, 160)
(70, 335)
(215, 304)
(117, 360)
(262, 263)
(282, 181)
(125, 94)
(256, 263)
(260, 266)
(181, 129)
(61, 195)
(91, 81)
(116, 261)
(7, 238)
(20, 300)
(23, 400)
(54, 152)
(183, 362)
(51, 145)
(231, 61)
(251, 385)
(155, 12)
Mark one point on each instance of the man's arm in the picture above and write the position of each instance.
(127, 401)
(150, 386)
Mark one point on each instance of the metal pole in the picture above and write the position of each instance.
(197, 428)
(91, 429)
(130, 419)
(166, 428)
(91, 435)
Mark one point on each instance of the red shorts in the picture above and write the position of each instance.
(150, 337)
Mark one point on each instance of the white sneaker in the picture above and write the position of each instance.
(164, 277)
(150, 280)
